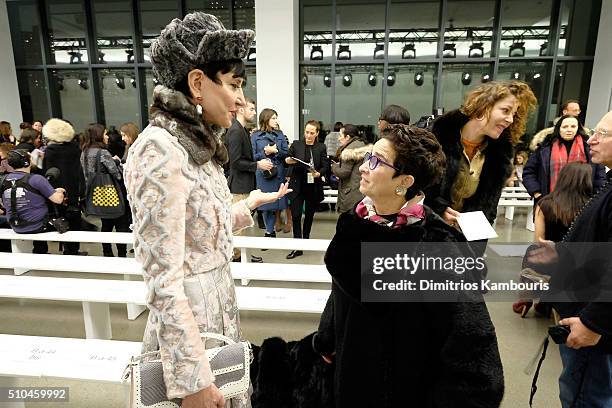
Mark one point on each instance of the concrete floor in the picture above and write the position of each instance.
(519, 339)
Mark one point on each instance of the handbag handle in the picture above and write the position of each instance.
(205, 335)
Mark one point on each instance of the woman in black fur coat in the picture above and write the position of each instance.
(403, 354)
(478, 140)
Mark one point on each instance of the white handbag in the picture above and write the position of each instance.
(230, 364)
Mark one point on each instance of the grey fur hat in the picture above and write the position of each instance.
(196, 40)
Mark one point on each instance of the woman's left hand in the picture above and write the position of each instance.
(257, 198)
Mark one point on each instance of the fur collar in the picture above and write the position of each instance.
(172, 111)
(355, 151)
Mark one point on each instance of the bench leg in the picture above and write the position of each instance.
(97, 321)
(509, 213)
(245, 258)
(530, 225)
(133, 310)
(21, 246)
(11, 382)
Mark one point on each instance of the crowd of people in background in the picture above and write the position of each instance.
(460, 164)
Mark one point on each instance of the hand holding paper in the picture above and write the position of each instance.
(475, 226)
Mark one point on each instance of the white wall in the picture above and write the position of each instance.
(600, 95)
(277, 28)
(10, 108)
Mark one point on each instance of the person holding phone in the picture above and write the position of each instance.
(307, 161)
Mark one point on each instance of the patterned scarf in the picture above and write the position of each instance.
(559, 157)
(407, 215)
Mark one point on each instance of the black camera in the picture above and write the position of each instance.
(559, 333)
(59, 223)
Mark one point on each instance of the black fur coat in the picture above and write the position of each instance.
(405, 354)
(496, 170)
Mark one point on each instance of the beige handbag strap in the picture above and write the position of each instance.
(217, 336)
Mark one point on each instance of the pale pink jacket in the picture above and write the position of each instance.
(183, 219)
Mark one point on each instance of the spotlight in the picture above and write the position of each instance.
(75, 57)
(120, 82)
(544, 49)
(485, 78)
(316, 53)
(101, 57)
(476, 50)
(155, 81)
(536, 76)
(130, 56)
(419, 78)
(83, 83)
(391, 78)
(515, 75)
(466, 78)
(372, 78)
(408, 51)
(517, 49)
(304, 80)
(347, 79)
(449, 51)
(60, 83)
(344, 53)
(133, 81)
(252, 55)
(327, 79)
(379, 51)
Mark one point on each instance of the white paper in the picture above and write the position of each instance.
(475, 226)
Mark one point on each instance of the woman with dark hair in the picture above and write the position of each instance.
(393, 115)
(6, 133)
(555, 212)
(27, 139)
(270, 143)
(394, 354)
(306, 181)
(114, 143)
(181, 204)
(93, 146)
(350, 154)
(567, 144)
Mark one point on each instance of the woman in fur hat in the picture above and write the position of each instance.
(63, 152)
(351, 152)
(396, 354)
(182, 209)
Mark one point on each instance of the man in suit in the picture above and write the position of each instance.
(242, 166)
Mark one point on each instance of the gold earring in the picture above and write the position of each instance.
(400, 191)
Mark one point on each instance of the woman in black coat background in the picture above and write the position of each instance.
(305, 181)
(419, 354)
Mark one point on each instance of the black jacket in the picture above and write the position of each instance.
(496, 170)
(536, 174)
(242, 166)
(298, 172)
(584, 271)
(406, 354)
(67, 158)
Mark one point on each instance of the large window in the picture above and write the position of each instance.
(75, 97)
(25, 32)
(67, 31)
(436, 51)
(114, 27)
(119, 96)
(316, 82)
(33, 94)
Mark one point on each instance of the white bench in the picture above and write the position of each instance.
(129, 266)
(96, 295)
(511, 203)
(63, 358)
(330, 196)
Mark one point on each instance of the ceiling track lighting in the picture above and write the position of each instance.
(466, 78)
(155, 81)
(60, 83)
(316, 53)
(130, 56)
(408, 51)
(344, 53)
(83, 83)
(372, 79)
(517, 49)
(133, 81)
(486, 77)
(476, 50)
(449, 51)
(327, 79)
(515, 76)
(379, 51)
(304, 80)
(347, 79)
(120, 82)
(544, 49)
(391, 78)
(101, 57)
(75, 57)
(419, 78)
